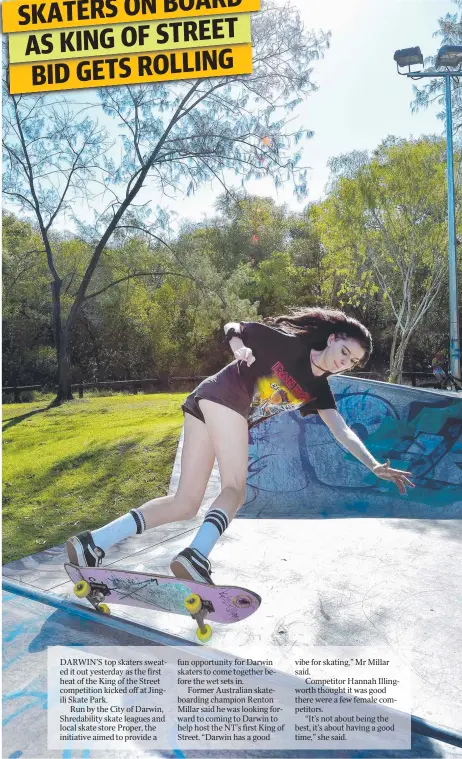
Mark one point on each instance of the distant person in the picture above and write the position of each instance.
(280, 366)
(439, 365)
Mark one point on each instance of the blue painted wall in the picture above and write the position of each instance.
(297, 468)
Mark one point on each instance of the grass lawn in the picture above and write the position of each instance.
(82, 464)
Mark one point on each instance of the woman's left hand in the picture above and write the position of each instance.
(385, 472)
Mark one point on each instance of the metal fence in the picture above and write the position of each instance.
(133, 386)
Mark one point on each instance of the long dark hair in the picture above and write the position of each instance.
(319, 323)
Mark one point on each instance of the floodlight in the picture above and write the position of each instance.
(449, 55)
(409, 56)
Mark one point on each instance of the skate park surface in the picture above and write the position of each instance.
(337, 556)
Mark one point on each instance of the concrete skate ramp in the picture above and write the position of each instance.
(298, 470)
(33, 621)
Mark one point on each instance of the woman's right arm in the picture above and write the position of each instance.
(240, 351)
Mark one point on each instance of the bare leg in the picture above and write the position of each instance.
(228, 432)
(197, 461)
(89, 548)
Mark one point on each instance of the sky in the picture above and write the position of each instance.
(361, 99)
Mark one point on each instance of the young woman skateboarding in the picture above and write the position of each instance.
(280, 366)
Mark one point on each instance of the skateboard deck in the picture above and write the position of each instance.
(218, 603)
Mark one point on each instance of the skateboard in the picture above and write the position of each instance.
(218, 603)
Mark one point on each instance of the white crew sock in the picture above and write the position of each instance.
(215, 523)
(130, 524)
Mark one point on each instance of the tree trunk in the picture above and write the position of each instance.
(62, 344)
(64, 370)
(393, 356)
(397, 359)
(396, 369)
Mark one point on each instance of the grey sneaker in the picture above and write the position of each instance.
(190, 564)
(83, 552)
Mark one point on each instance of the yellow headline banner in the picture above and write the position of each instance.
(18, 16)
(134, 69)
(126, 40)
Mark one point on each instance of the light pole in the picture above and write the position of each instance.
(450, 57)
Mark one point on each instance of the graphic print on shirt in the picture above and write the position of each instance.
(274, 394)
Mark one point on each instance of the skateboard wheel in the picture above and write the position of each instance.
(205, 634)
(193, 603)
(82, 589)
(103, 608)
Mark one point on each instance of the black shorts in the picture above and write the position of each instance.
(191, 405)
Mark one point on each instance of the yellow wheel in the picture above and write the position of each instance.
(82, 589)
(193, 603)
(205, 634)
(103, 608)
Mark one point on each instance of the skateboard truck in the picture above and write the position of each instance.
(94, 592)
(198, 610)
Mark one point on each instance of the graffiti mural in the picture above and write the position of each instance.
(296, 466)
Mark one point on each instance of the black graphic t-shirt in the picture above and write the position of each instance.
(280, 379)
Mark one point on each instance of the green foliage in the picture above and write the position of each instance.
(384, 230)
(279, 284)
(377, 241)
(250, 229)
